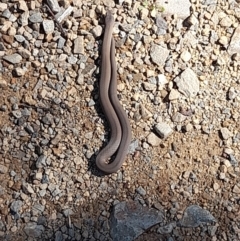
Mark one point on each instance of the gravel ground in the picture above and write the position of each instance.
(179, 82)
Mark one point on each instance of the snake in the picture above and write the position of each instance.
(120, 128)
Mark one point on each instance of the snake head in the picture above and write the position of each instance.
(109, 17)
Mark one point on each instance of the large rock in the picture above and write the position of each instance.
(33, 230)
(187, 83)
(234, 46)
(194, 216)
(172, 7)
(130, 219)
(159, 54)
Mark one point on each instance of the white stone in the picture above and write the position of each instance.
(185, 56)
(187, 83)
(153, 140)
(174, 95)
(163, 130)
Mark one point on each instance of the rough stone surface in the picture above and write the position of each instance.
(48, 26)
(130, 219)
(163, 130)
(187, 83)
(234, 46)
(180, 8)
(13, 59)
(194, 216)
(34, 230)
(79, 45)
(159, 54)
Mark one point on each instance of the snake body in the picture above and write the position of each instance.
(119, 124)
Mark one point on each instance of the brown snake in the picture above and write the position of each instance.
(115, 114)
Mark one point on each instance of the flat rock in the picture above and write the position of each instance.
(97, 31)
(130, 219)
(234, 46)
(161, 24)
(3, 82)
(173, 95)
(16, 206)
(194, 216)
(19, 38)
(163, 130)
(3, 169)
(173, 7)
(48, 26)
(53, 4)
(3, 6)
(153, 140)
(19, 71)
(23, 20)
(13, 58)
(226, 134)
(23, 5)
(33, 230)
(159, 54)
(187, 83)
(36, 18)
(79, 45)
(236, 189)
(27, 188)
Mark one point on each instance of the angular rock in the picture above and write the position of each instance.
(27, 188)
(153, 140)
(234, 46)
(161, 24)
(48, 26)
(173, 95)
(58, 236)
(159, 54)
(167, 228)
(173, 7)
(16, 206)
(19, 71)
(178, 117)
(23, 5)
(233, 160)
(97, 31)
(161, 81)
(3, 169)
(163, 130)
(3, 6)
(194, 216)
(187, 83)
(79, 45)
(17, 113)
(13, 58)
(236, 189)
(61, 42)
(36, 18)
(23, 20)
(3, 82)
(225, 133)
(53, 4)
(19, 38)
(130, 219)
(33, 230)
(140, 190)
(2, 47)
(26, 54)
(41, 161)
